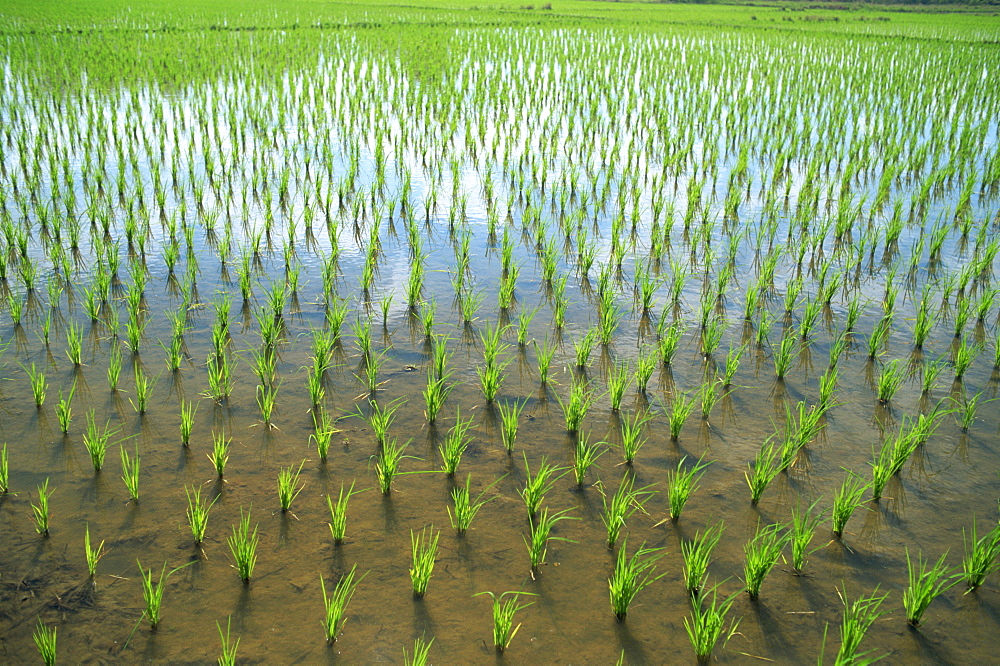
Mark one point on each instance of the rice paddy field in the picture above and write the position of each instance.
(453, 333)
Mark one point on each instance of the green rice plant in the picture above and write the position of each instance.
(762, 553)
(925, 585)
(539, 483)
(680, 409)
(879, 337)
(783, 357)
(38, 384)
(266, 397)
(115, 362)
(152, 593)
(74, 343)
(40, 511)
(827, 388)
(982, 556)
(440, 356)
(335, 604)
(381, 418)
(143, 390)
(93, 555)
(669, 342)
(288, 486)
(423, 549)
(576, 406)
(130, 472)
(197, 512)
(584, 346)
(64, 409)
(338, 513)
(229, 647)
(4, 471)
(709, 395)
(188, 411)
(890, 379)
(837, 348)
(541, 530)
(491, 376)
(618, 379)
(175, 353)
(626, 501)
(712, 334)
(243, 546)
(804, 524)
(220, 377)
(645, 364)
(631, 576)
(931, 371)
(323, 431)
(421, 652)
(708, 623)
(505, 606)
(435, 394)
(387, 466)
(491, 338)
(845, 501)
(632, 439)
(524, 318)
(963, 357)
(697, 555)
(454, 445)
(45, 641)
(765, 467)
(544, 355)
(682, 483)
(96, 439)
(585, 454)
(134, 330)
(967, 410)
(509, 415)
(858, 616)
(220, 452)
(732, 365)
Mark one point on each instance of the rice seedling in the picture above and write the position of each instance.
(505, 606)
(669, 342)
(782, 358)
(644, 366)
(712, 334)
(335, 604)
(435, 394)
(288, 486)
(697, 555)
(187, 412)
(804, 524)
(338, 513)
(38, 384)
(585, 455)
(680, 409)
(541, 534)
(220, 377)
(682, 483)
(491, 376)
(618, 380)
(4, 470)
(576, 406)
(421, 653)
(710, 395)
(981, 557)
(708, 623)
(93, 555)
(631, 431)
(96, 439)
(626, 501)
(45, 640)
(387, 465)
(544, 355)
(322, 435)
(925, 585)
(583, 347)
(74, 344)
(845, 501)
(220, 452)
(964, 356)
(539, 483)
(766, 465)
(879, 337)
(64, 409)
(143, 390)
(115, 362)
(229, 647)
(40, 511)
(631, 576)
(762, 553)
(130, 472)
(890, 379)
(243, 547)
(423, 549)
(197, 512)
(455, 444)
(858, 617)
(266, 397)
(152, 593)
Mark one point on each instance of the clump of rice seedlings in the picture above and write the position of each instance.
(669, 341)
(932, 370)
(733, 358)
(544, 355)
(626, 501)
(680, 409)
(967, 410)
(455, 443)
(631, 576)
(143, 390)
(710, 395)
(804, 524)
(765, 467)
(381, 418)
(585, 454)
(387, 466)
(338, 513)
(421, 652)
(45, 641)
(4, 470)
(576, 406)
(323, 431)
(535, 486)
(335, 603)
(837, 349)
(491, 377)
(891, 458)
(93, 555)
(712, 334)
(827, 389)
(879, 337)
(541, 529)
(435, 394)
(288, 486)
(890, 379)
(64, 409)
(505, 606)
(982, 556)
(925, 585)
(618, 379)
(644, 366)
(40, 511)
(130, 472)
(697, 555)
(188, 410)
(314, 382)
(509, 415)
(220, 377)
(115, 362)
(220, 452)
(682, 483)
(762, 553)
(964, 356)
(783, 357)
(632, 439)
(845, 501)
(229, 646)
(243, 546)
(583, 347)
(708, 623)
(423, 549)
(266, 397)
(38, 384)
(858, 617)
(152, 593)
(96, 440)
(197, 512)
(74, 344)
